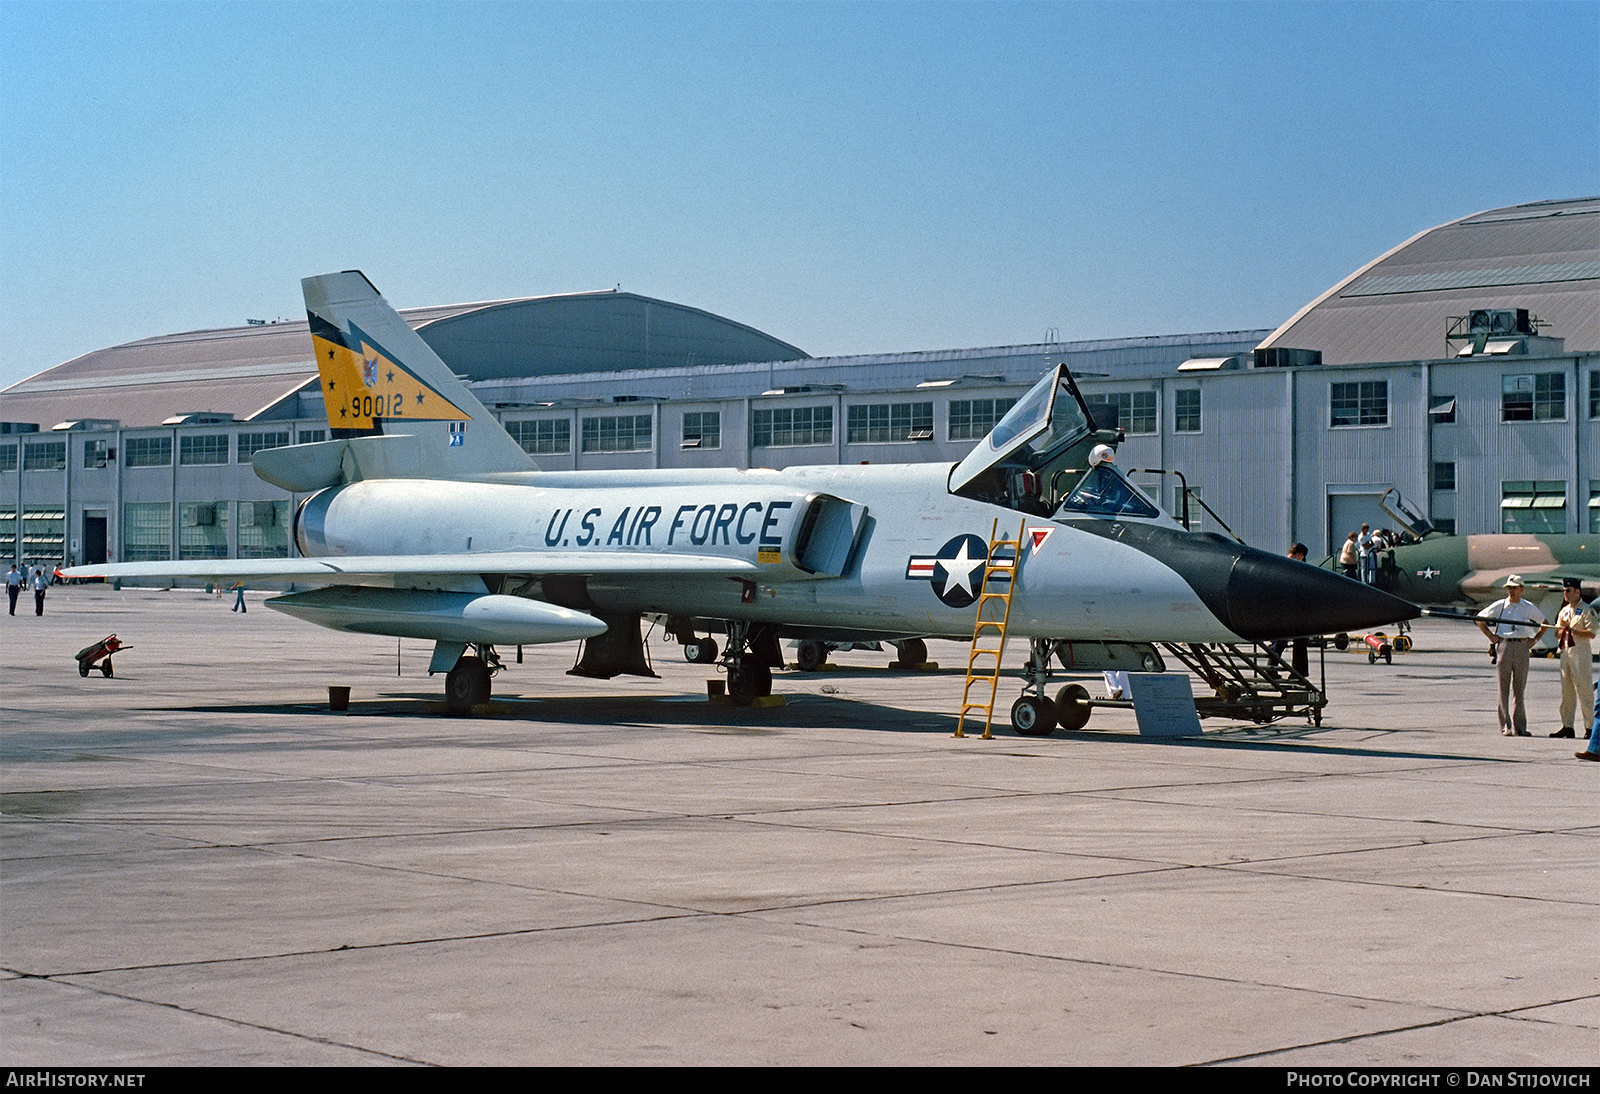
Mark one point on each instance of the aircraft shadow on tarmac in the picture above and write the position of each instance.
(613, 711)
(801, 711)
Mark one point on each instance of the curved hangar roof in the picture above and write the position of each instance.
(1543, 256)
(254, 371)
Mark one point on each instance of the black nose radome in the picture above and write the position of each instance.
(1257, 595)
(1272, 597)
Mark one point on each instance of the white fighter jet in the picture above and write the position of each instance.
(426, 520)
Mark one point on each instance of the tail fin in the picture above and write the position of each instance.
(406, 415)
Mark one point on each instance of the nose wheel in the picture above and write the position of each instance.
(1033, 716)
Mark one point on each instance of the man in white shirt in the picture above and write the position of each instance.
(15, 580)
(1369, 555)
(1516, 625)
(1575, 625)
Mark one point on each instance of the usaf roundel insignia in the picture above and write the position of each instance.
(955, 572)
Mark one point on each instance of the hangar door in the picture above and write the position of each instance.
(1351, 507)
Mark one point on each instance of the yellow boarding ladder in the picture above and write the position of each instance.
(989, 632)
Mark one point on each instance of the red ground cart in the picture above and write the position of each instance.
(104, 648)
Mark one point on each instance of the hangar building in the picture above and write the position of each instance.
(1462, 367)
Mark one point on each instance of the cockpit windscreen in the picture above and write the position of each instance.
(1103, 492)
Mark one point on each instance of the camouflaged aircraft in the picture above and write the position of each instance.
(426, 520)
(1470, 571)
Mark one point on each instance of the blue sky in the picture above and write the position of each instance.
(851, 178)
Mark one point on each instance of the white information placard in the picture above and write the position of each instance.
(1163, 702)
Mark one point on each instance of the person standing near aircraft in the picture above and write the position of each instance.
(1512, 619)
(40, 584)
(1575, 625)
(15, 580)
(1368, 548)
(1347, 556)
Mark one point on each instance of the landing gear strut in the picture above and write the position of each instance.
(1033, 715)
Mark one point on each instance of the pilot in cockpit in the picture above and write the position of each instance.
(1104, 492)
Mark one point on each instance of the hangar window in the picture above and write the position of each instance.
(312, 436)
(251, 443)
(1444, 475)
(8, 457)
(1536, 507)
(1540, 397)
(44, 456)
(971, 419)
(43, 533)
(617, 433)
(1364, 402)
(542, 436)
(1186, 411)
(1594, 393)
(1594, 507)
(702, 429)
(881, 423)
(1136, 410)
(784, 426)
(206, 448)
(203, 530)
(95, 453)
(147, 452)
(146, 531)
(263, 529)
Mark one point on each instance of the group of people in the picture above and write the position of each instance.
(1358, 558)
(1512, 626)
(19, 579)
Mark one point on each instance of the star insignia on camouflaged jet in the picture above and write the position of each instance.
(956, 571)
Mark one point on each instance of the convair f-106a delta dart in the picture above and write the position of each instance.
(427, 520)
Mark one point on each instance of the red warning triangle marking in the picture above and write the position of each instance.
(1038, 536)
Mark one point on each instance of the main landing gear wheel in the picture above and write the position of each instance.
(1033, 716)
(913, 652)
(701, 651)
(1072, 707)
(810, 656)
(748, 682)
(466, 686)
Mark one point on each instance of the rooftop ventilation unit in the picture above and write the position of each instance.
(1285, 357)
(1500, 321)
